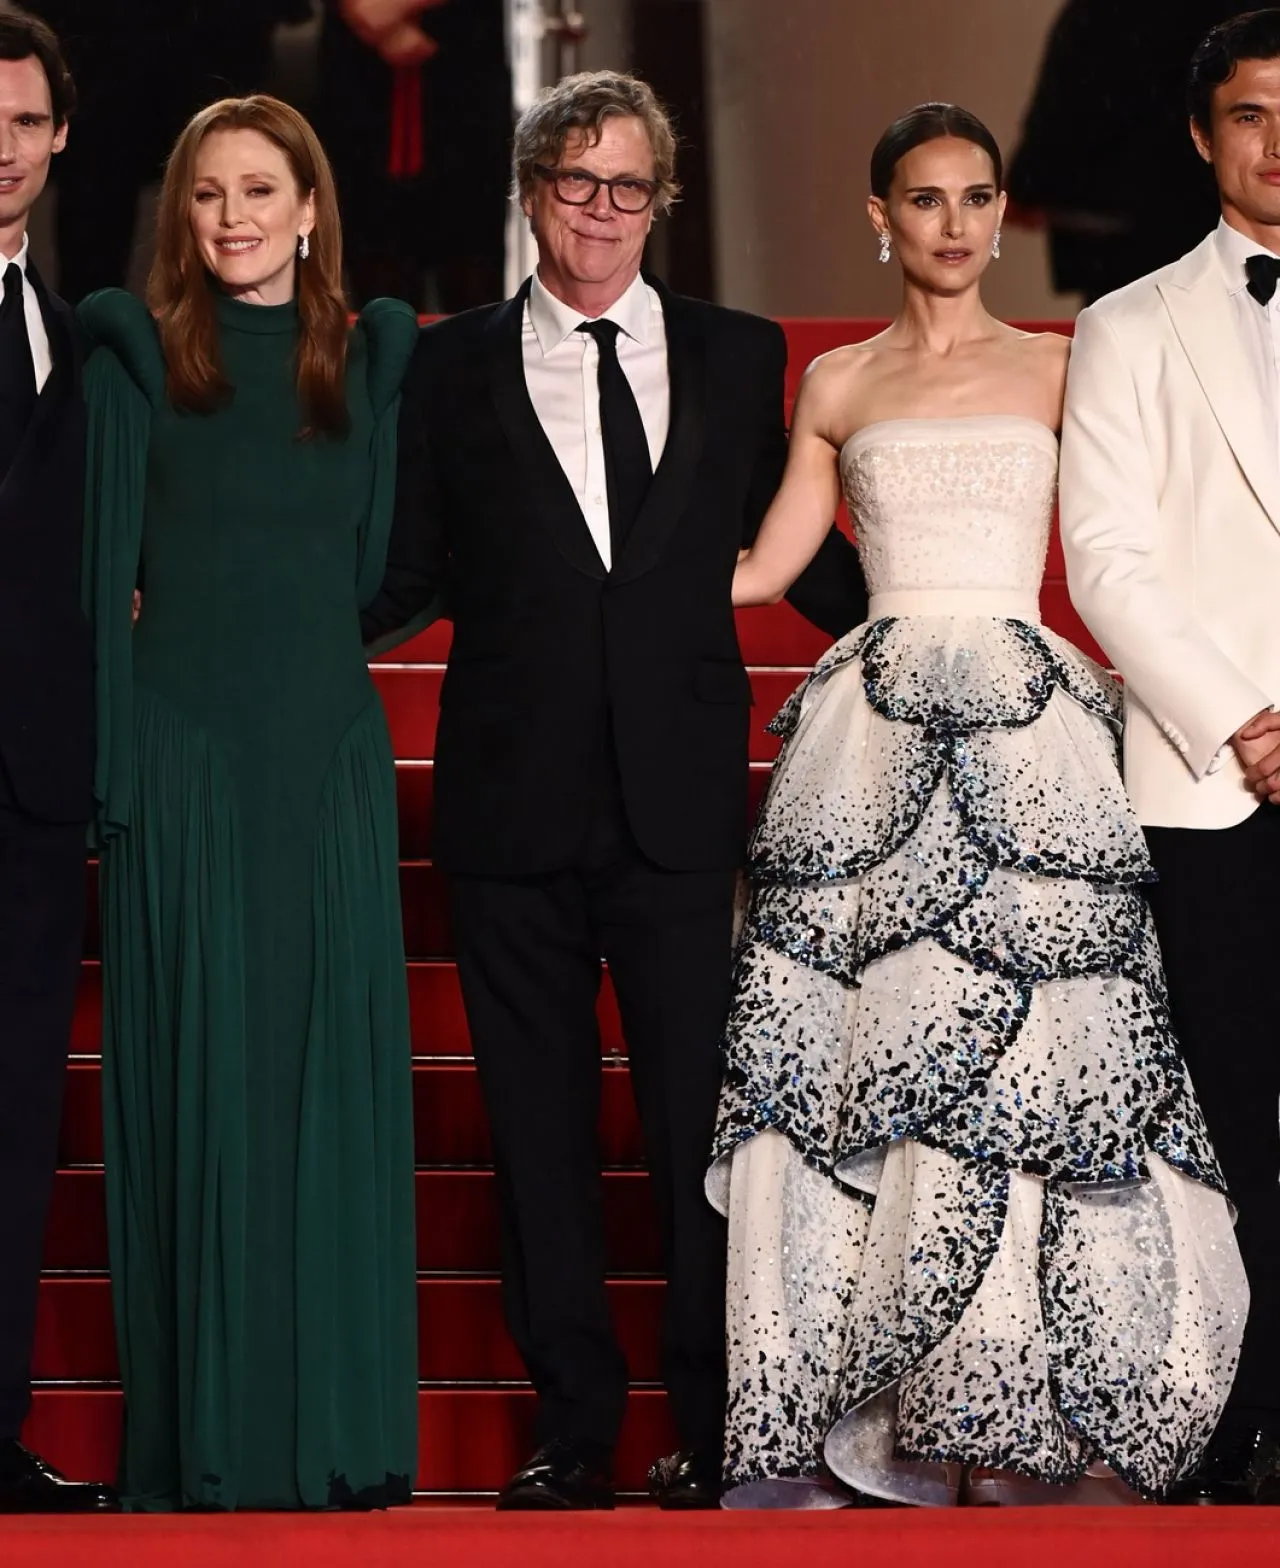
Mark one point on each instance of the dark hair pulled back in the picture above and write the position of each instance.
(929, 122)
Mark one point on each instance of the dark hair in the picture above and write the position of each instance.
(1253, 36)
(21, 38)
(929, 122)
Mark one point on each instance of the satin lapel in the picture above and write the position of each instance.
(543, 479)
(664, 505)
(1203, 316)
(56, 392)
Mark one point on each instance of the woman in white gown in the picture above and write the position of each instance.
(979, 1245)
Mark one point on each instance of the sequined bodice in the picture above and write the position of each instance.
(952, 503)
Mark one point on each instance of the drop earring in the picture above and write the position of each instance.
(304, 246)
(886, 248)
(995, 246)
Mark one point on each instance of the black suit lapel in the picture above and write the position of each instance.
(664, 504)
(56, 393)
(545, 480)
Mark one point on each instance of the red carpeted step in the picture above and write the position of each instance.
(412, 696)
(450, 1124)
(768, 634)
(457, 1222)
(461, 1335)
(435, 1006)
(470, 1440)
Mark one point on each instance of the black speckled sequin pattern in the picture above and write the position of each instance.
(975, 1218)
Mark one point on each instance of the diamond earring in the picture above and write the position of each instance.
(995, 246)
(886, 248)
(304, 246)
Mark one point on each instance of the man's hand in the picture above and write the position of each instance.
(390, 27)
(1257, 745)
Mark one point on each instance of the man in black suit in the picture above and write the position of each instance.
(46, 735)
(579, 469)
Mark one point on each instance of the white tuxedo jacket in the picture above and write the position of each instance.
(1170, 508)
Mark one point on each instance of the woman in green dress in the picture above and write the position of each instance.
(256, 1058)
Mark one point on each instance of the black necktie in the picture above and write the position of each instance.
(628, 469)
(1264, 273)
(17, 369)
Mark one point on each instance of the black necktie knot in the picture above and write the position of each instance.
(604, 331)
(12, 287)
(1264, 274)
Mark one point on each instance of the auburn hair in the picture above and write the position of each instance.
(180, 289)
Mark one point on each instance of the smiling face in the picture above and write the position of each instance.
(1244, 148)
(247, 215)
(941, 214)
(589, 256)
(28, 140)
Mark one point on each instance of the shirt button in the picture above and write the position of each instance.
(596, 501)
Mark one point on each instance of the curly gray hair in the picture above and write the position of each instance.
(583, 103)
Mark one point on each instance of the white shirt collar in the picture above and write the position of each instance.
(1234, 250)
(553, 321)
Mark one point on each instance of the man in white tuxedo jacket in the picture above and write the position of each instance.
(1171, 525)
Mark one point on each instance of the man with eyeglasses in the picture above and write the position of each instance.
(579, 468)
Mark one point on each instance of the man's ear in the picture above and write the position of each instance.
(60, 137)
(1203, 144)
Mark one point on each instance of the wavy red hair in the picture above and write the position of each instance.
(179, 291)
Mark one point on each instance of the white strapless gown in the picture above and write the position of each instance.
(974, 1215)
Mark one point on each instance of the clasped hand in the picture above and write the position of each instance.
(1257, 745)
(390, 27)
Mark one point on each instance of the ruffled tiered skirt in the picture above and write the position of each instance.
(975, 1218)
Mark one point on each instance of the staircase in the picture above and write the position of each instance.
(475, 1407)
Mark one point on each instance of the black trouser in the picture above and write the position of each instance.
(1214, 910)
(529, 954)
(42, 902)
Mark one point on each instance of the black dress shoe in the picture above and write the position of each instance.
(689, 1479)
(562, 1475)
(1239, 1468)
(29, 1486)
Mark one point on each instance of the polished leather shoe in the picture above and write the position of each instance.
(1238, 1469)
(689, 1479)
(30, 1486)
(562, 1475)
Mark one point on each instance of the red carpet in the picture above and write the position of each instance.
(474, 1407)
(434, 1537)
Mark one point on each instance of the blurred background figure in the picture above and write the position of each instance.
(1106, 165)
(415, 109)
(143, 67)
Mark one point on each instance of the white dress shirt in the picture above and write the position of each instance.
(41, 355)
(560, 369)
(1259, 324)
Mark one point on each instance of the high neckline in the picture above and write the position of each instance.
(264, 320)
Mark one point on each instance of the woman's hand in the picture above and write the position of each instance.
(137, 606)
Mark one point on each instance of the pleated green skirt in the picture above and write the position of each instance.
(258, 1121)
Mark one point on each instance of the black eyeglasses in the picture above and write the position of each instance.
(577, 188)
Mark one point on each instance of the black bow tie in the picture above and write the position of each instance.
(1264, 274)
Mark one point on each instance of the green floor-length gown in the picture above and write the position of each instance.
(256, 1057)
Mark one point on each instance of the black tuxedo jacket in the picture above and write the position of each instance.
(46, 659)
(554, 659)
